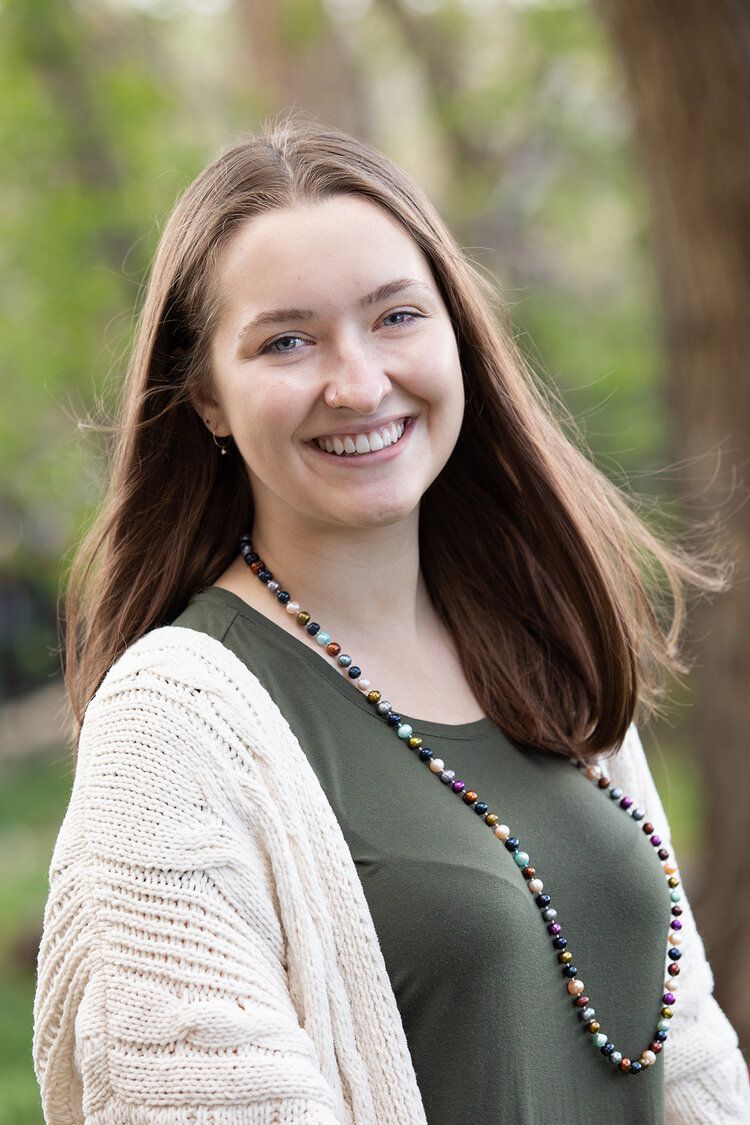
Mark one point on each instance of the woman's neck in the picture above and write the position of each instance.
(357, 582)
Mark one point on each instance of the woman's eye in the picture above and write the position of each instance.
(403, 312)
(271, 347)
(274, 347)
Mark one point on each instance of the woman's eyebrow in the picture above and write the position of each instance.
(273, 316)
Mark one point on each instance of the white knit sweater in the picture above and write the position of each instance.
(208, 955)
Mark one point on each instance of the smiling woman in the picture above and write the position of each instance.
(268, 899)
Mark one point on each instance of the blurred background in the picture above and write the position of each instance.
(593, 158)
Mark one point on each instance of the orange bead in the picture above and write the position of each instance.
(625, 1064)
(333, 648)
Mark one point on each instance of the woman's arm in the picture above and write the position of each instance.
(162, 992)
(706, 1075)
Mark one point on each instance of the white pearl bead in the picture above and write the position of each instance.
(363, 685)
(675, 939)
(647, 1058)
(437, 765)
(502, 831)
(292, 607)
(593, 773)
(536, 886)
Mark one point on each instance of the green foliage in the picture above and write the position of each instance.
(91, 156)
(33, 798)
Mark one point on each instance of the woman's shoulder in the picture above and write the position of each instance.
(179, 653)
(173, 668)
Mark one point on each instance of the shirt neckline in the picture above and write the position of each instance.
(474, 729)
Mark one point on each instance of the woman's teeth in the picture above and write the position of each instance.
(363, 443)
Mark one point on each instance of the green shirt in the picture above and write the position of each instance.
(493, 1034)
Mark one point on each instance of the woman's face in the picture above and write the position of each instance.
(302, 318)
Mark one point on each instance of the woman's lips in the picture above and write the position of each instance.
(362, 459)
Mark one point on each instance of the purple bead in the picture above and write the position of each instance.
(554, 928)
(668, 997)
(626, 802)
(676, 924)
(458, 786)
(656, 841)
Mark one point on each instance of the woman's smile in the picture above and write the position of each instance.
(352, 459)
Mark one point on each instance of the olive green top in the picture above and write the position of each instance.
(492, 1031)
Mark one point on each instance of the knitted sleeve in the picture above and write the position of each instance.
(162, 995)
(706, 1075)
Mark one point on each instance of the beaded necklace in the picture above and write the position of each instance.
(574, 985)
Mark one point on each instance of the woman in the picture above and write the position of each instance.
(263, 907)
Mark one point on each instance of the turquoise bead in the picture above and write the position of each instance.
(521, 858)
(663, 1025)
(322, 638)
(599, 1039)
(675, 896)
(404, 731)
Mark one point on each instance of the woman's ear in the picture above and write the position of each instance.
(211, 415)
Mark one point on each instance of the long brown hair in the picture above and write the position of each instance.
(565, 604)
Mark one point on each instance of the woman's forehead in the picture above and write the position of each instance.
(302, 256)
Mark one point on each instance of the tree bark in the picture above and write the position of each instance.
(687, 68)
(298, 58)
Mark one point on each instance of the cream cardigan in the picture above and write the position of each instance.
(208, 955)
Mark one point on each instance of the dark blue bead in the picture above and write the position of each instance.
(542, 901)
(570, 971)
(636, 1067)
(245, 550)
(253, 557)
(312, 628)
(661, 1036)
(265, 575)
(393, 718)
(607, 1049)
(353, 671)
(425, 753)
(512, 843)
(480, 808)
(559, 942)
(283, 596)
(674, 954)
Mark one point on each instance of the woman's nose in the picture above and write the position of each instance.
(360, 382)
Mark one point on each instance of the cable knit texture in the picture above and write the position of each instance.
(208, 955)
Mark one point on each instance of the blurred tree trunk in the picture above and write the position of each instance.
(294, 56)
(687, 68)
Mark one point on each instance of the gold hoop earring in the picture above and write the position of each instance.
(224, 448)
